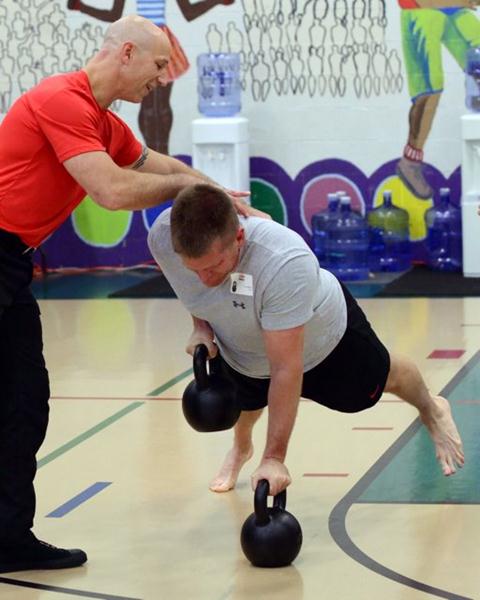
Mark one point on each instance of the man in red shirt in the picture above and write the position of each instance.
(58, 143)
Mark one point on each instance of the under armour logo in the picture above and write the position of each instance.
(238, 304)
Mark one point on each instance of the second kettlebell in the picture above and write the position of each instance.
(209, 402)
(270, 537)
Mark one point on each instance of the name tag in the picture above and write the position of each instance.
(241, 283)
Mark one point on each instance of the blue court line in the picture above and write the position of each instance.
(79, 499)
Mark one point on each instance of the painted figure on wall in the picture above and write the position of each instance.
(426, 26)
(155, 118)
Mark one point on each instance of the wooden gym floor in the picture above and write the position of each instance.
(122, 475)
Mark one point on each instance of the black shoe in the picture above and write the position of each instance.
(35, 554)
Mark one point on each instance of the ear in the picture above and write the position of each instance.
(127, 52)
(240, 237)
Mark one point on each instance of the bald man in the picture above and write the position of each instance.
(58, 143)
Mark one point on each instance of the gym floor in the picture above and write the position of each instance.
(122, 475)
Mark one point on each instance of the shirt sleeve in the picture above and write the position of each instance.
(289, 297)
(72, 127)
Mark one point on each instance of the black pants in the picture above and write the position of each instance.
(24, 390)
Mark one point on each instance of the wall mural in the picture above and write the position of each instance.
(310, 49)
(314, 47)
(424, 32)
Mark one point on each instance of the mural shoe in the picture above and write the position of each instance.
(411, 174)
(72, 4)
(31, 553)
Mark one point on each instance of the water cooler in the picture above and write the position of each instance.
(220, 150)
(471, 194)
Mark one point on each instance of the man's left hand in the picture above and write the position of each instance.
(275, 472)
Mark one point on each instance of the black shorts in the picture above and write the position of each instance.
(352, 377)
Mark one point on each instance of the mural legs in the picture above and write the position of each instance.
(155, 118)
(409, 167)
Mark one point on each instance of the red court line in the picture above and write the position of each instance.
(446, 353)
(467, 401)
(325, 474)
(372, 428)
(110, 398)
(402, 401)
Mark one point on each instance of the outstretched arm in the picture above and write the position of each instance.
(285, 354)
(153, 179)
(192, 10)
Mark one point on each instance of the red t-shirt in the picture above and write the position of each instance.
(407, 4)
(56, 120)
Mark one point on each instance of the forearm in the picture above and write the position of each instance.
(162, 164)
(283, 397)
(200, 324)
(202, 334)
(136, 191)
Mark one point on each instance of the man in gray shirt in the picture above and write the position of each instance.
(284, 328)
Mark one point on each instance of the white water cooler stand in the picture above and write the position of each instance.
(220, 150)
(471, 194)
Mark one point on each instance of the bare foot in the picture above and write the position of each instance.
(228, 474)
(445, 436)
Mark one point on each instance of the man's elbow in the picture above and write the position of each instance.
(114, 197)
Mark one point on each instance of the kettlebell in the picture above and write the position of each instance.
(209, 402)
(270, 537)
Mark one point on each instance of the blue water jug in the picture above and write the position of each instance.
(347, 244)
(319, 228)
(472, 80)
(444, 234)
(219, 84)
(389, 237)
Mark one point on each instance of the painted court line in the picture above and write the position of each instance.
(131, 398)
(80, 498)
(88, 434)
(338, 516)
(63, 590)
(170, 382)
(325, 475)
(372, 428)
(446, 353)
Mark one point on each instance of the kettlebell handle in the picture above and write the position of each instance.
(200, 355)
(260, 501)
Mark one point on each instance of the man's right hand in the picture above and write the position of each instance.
(202, 334)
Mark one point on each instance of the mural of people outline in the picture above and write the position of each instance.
(426, 26)
(156, 116)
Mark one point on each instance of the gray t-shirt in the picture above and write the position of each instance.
(276, 285)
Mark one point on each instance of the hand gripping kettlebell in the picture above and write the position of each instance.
(209, 402)
(270, 537)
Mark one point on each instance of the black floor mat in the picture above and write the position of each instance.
(422, 281)
(155, 287)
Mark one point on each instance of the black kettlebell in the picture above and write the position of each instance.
(270, 537)
(209, 402)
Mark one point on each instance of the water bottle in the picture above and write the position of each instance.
(319, 228)
(444, 234)
(389, 237)
(219, 84)
(347, 244)
(472, 80)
